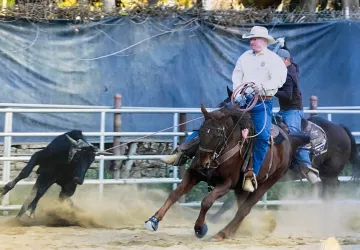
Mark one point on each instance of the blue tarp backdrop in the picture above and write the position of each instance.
(175, 62)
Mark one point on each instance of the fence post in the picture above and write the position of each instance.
(313, 104)
(175, 143)
(182, 128)
(102, 148)
(7, 153)
(116, 164)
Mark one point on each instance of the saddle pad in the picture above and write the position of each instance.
(318, 139)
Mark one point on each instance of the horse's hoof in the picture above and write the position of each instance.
(5, 189)
(152, 224)
(219, 236)
(30, 214)
(201, 232)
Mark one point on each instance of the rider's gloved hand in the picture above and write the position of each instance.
(257, 88)
(252, 89)
(281, 41)
(246, 98)
(240, 99)
(249, 91)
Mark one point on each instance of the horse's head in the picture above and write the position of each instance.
(214, 134)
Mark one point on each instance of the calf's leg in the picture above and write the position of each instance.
(42, 184)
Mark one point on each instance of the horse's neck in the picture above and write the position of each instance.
(236, 137)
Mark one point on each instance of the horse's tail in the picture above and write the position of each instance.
(354, 157)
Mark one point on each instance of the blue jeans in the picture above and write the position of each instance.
(189, 137)
(258, 114)
(261, 141)
(292, 118)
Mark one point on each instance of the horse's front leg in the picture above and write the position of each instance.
(187, 183)
(219, 191)
(227, 205)
(246, 201)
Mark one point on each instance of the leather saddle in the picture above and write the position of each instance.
(318, 138)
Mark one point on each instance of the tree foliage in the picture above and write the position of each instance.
(221, 11)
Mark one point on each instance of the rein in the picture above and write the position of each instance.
(145, 136)
(218, 157)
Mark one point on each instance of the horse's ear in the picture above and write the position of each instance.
(204, 111)
(229, 92)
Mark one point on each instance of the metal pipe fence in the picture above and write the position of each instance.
(103, 110)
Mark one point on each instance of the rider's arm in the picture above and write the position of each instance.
(277, 74)
(285, 92)
(238, 74)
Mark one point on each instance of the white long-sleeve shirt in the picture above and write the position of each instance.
(265, 69)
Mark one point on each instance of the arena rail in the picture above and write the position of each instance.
(10, 109)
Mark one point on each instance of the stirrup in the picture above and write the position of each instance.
(248, 186)
(250, 183)
(308, 172)
(311, 177)
(306, 168)
(314, 170)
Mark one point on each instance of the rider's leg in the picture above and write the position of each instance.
(292, 118)
(262, 125)
(186, 150)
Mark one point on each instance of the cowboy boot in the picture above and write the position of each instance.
(183, 152)
(177, 158)
(250, 183)
(310, 173)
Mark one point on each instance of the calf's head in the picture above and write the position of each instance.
(81, 156)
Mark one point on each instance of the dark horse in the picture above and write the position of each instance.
(219, 160)
(341, 150)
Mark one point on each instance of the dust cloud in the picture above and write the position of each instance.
(116, 222)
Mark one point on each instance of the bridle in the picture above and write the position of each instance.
(221, 139)
(221, 142)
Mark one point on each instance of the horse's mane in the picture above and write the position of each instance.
(235, 113)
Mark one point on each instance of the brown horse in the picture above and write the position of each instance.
(219, 161)
(341, 150)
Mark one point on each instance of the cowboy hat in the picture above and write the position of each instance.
(258, 31)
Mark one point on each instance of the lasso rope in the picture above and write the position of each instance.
(139, 138)
(265, 119)
(237, 90)
(240, 89)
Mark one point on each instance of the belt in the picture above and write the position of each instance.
(266, 97)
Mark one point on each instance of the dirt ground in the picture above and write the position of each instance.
(116, 222)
